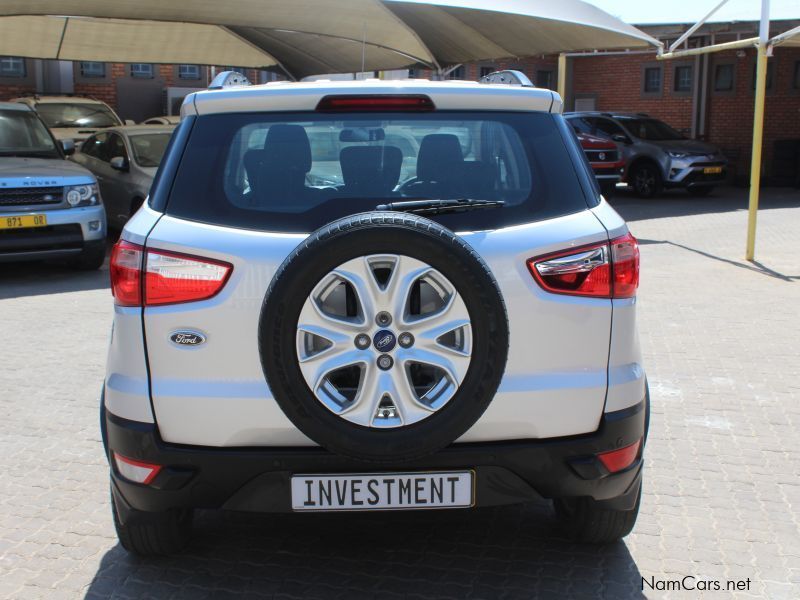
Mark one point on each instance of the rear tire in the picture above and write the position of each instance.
(152, 533)
(646, 180)
(586, 520)
(92, 257)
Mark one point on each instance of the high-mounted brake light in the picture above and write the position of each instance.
(136, 471)
(158, 277)
(606, 270)
(376, 103)
(622, 458)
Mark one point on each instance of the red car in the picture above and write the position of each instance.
(605, 159)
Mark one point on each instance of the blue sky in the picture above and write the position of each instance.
(685, 11)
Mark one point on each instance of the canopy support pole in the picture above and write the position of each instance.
(562, 78)
(758, 131)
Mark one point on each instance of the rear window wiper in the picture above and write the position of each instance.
(440, 206)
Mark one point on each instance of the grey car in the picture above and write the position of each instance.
(656, 155)
(125, 161)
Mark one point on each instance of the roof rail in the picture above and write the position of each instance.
(642, 115)
(227, 79)
(508, 77)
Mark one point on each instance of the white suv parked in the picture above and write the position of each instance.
(445, 325)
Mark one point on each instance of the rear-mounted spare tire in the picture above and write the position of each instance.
(383, 336)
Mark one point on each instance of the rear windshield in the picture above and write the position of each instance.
(296, 172)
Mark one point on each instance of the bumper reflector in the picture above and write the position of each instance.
(136, 471)
(617, 460)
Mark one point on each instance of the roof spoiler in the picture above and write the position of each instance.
(228, 79)
(508, 77)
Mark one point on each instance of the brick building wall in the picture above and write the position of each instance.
(616, 84)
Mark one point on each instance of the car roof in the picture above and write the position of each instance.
(15, 106)
(608, 113)
(139, 129)
(304, 96)
(58, 99)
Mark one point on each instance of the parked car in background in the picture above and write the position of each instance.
(49, 207)
(168, 120)
(124, 160)
(605, 159)
(656, 155)
(72, 117)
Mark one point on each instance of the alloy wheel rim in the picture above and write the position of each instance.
(420, 336)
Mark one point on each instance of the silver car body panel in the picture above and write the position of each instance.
(562, 348)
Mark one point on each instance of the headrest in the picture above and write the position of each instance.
(439, 155)
(287, 147)
(373, 168)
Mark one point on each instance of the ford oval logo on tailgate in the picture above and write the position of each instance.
(187, 338)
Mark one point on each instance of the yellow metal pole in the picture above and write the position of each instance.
(562, 77)
(758, 137)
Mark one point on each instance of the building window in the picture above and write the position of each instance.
(12, 66)
(188, 72)
(652, 80)
(142, 70)
(796, 76)
(484, 71)
(683, 79)
(457, 73)
(770, 73)
(93, 69)
(544, 79)
(723, 78)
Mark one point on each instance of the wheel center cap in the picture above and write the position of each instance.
(384, 340)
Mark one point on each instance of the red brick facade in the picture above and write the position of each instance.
(616, 84)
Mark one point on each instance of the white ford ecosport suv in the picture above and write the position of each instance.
(309, 317)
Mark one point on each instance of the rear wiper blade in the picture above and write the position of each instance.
(440, 206)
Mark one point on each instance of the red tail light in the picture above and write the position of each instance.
(622, 458)
(168, 277)
(608, 270)
(376, 103)
(126, 273)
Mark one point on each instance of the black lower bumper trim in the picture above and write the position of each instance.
(258, 479)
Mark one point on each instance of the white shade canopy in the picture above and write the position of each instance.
(306, 37)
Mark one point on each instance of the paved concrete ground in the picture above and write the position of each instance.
(722, 492)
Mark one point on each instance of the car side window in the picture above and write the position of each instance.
(115, 147)
(581, 125)
(607, 128)
(95, 146)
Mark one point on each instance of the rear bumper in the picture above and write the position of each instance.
(258, 479)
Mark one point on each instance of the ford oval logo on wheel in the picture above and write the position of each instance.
(187, 338)
(384, 341)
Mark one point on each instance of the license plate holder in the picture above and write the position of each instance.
(712, 170)
(23, 221)
(383, 491)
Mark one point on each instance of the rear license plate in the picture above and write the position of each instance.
(383, 491)
(23, 221)
(712, 170)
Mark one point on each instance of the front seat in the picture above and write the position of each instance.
(277, 174)
(370, 170)
(440, 168)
